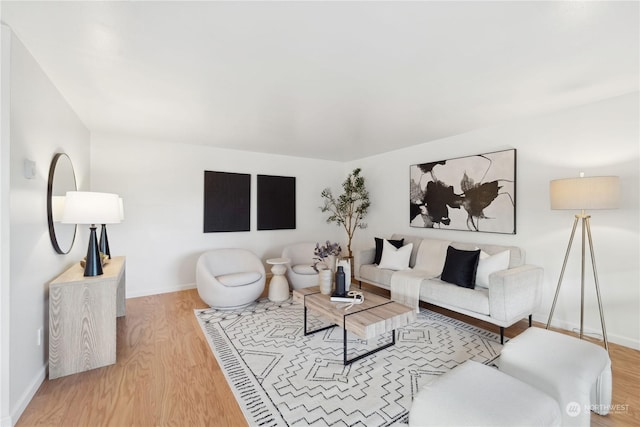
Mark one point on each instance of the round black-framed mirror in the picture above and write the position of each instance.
(61, 179)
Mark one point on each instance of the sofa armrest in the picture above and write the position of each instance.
(362, 257)
(515, 292)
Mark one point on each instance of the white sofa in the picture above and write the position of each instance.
(512, 294)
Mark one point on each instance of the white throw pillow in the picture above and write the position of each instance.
(395, 259)
(490, 264)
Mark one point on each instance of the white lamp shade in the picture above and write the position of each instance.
(596, 192)
(121, 206)
(86, 207)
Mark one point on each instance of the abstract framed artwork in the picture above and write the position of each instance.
(473, 193)
(276, 202)
(227, 201)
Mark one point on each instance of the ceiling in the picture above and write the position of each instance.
(329, 80)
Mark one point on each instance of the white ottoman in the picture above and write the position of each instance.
(474, 394)
(576, 373)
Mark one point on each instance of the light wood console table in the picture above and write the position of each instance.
(82, 318)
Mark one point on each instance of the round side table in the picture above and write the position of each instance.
(278, 287)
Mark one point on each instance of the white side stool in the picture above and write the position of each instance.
(473, 394)
(278, 287)
(576, 373)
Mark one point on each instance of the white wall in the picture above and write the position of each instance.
(162, 186)
(41, 124)
(599, 139)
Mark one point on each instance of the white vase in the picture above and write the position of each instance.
(324, 281)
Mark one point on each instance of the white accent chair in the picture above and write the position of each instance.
(300, 272)
(229, 278)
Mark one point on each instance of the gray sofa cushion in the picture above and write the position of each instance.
(372, 274)
(437, 291)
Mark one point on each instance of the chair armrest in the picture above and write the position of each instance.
(515, 292)
(362, 257)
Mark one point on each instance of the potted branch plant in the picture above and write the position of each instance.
(325, 264)
(326, 255)
(349, 208)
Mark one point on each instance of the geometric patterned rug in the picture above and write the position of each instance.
(282, 378)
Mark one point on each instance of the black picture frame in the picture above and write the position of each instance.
(276, 202)
(472, 193)
(227, 202)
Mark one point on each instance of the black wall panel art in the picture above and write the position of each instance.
(227, 201)
(474, 193)
(276, 202)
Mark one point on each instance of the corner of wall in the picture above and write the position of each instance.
(5, 56)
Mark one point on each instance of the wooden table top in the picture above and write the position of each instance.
(75, 273)
(375, 316)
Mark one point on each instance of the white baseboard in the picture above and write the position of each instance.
(176, 288)
(26, 397)
(568, 326)
(158, 291)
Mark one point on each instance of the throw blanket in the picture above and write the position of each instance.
(405, 286)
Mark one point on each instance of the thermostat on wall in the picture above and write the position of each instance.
(29, 169)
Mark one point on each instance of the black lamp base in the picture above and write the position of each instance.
(93, 263)
(104, 242)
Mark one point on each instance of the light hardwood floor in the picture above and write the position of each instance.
(166, 375)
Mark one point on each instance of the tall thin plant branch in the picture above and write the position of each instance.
(349, 208)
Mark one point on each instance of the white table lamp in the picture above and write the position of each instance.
(85, 207)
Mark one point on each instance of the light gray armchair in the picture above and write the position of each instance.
(229, 278)
(300, 272)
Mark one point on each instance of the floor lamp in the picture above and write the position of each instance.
(598, 192)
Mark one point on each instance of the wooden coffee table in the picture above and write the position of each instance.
(375, 316)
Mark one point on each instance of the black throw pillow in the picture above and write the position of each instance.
(397, 243)
(460, 267)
